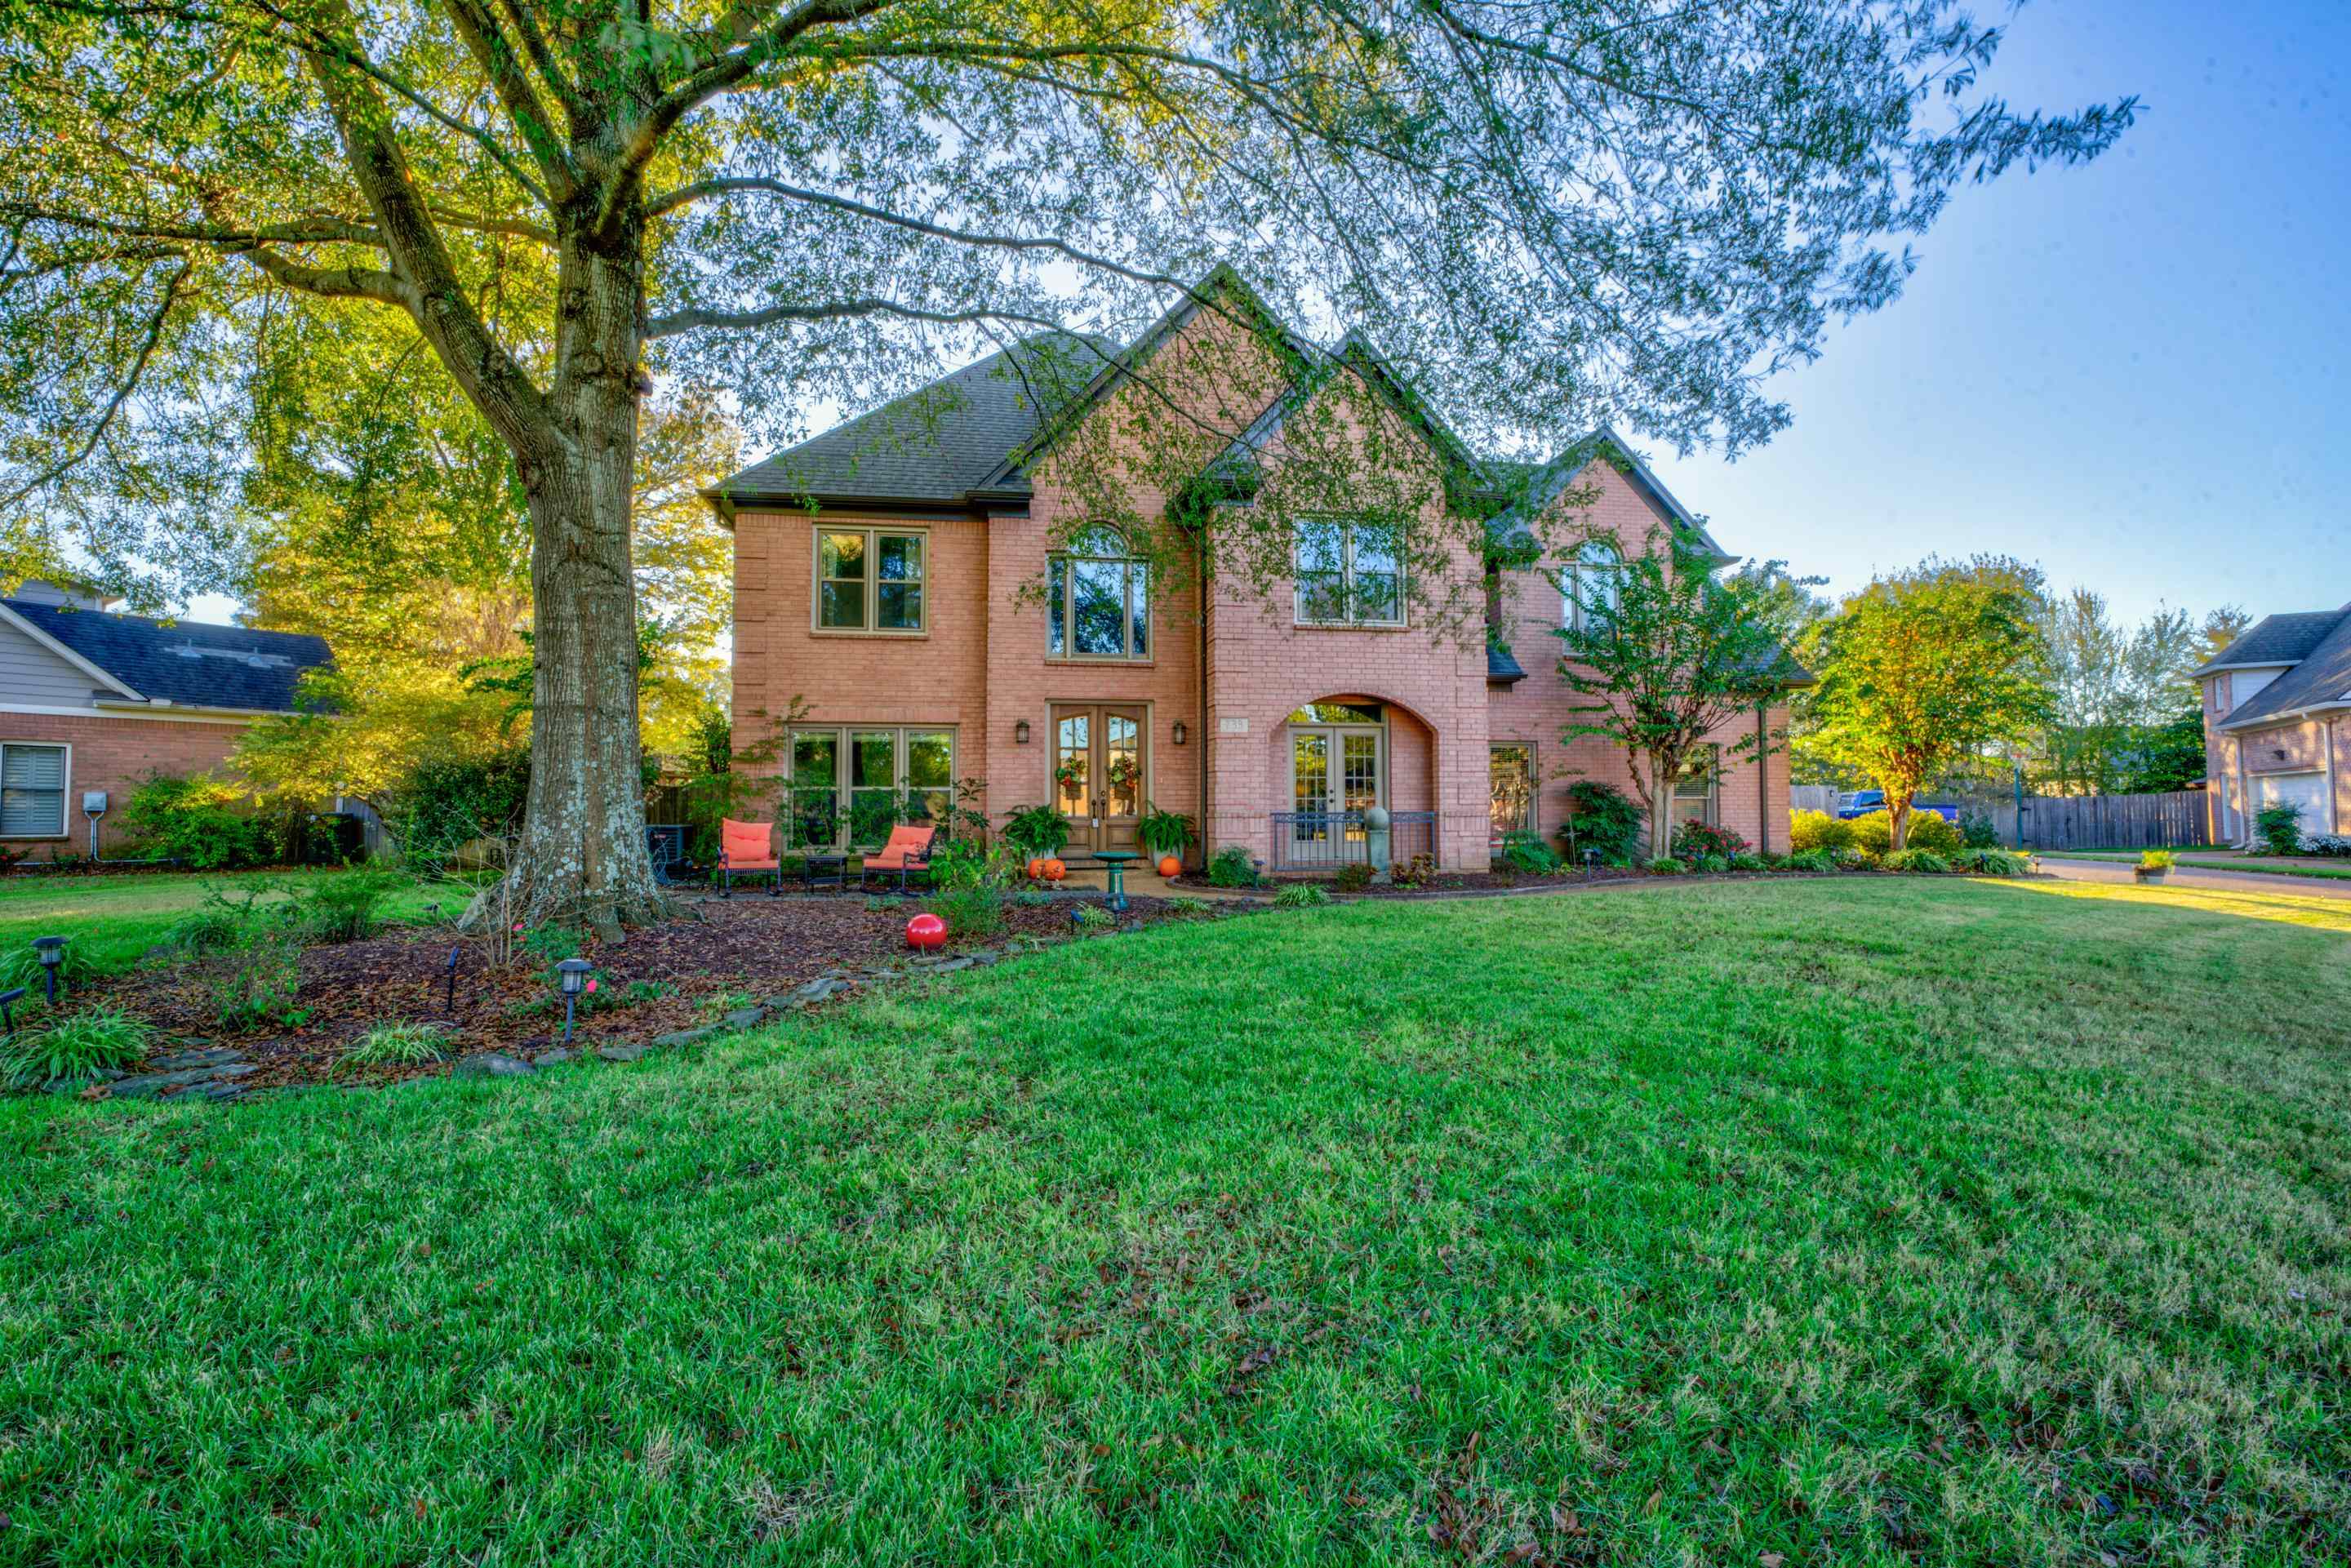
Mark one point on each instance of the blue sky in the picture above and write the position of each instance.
(2133, 374)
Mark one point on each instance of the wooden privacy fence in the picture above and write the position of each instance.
(2104, 822)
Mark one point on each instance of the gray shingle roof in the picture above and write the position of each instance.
(2322, 678)
(938, 444)
(2279, 640)
(1542, 485)
(186, 663)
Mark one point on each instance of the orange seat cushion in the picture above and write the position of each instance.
(905, 842)
(748, 846)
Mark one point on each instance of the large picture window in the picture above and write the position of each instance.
(1350, 572)
(848, 786)
(1098, 596)
(871, 580)
(32, 791)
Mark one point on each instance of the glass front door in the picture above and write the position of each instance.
(1511, 775)
(1332, 770)
(1098, 774)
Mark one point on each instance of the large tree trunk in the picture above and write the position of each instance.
(583, 857)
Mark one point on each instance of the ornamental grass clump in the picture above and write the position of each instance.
(1300, 895)
(73, 1050)
(399, 1045)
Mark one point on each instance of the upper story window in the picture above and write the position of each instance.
(1350, 573)
(871, 580)
(1592, 584)
(1098, 598)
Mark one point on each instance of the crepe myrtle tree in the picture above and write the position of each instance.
(1925, 668)
(1545, 213)
(1665, 650)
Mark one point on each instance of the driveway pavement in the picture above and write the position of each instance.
(2196, 876)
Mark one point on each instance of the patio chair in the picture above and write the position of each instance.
(908, 854)
(748, 847)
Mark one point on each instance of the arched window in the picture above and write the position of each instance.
(1592, 584)
(1098, 596)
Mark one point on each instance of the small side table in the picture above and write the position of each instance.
(1114, 863)
(825, 871)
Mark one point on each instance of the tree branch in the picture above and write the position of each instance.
(152, 337)
(695, 317)
(486, 41)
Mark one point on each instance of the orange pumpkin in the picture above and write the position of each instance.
(1036, 868)
(1055, 871)
(1169, 865)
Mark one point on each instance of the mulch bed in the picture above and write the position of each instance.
(719, 954)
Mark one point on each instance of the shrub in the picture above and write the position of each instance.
(1704, 840)
(1187, 909)
(341, 907)
(970, 911)
(76, 1050)
(1414, 873)
(1930, 831)
(1991, 863)
(1031, 897)
(1850, 858)
(1300, 895)
(1606, 819)
(1977, 831)
(1812, 861)
(1873, 834)
(1353, 877)
(398, 1045)
(1664, 865)
(447, 803)
(1921, 861)
(1232, 868)
(194, 821)
(1809, 831)
(1163, 832)
(256, 983)
(2157, 860)
(2328, 844)
(1745, 862)
(2279, 827)
(1530, 854)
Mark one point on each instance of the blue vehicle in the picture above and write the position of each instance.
(1867, 802)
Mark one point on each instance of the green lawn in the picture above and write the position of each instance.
(1855, 1221)
(117, 919)
(2209, 863)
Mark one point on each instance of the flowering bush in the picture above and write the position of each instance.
(1704, 840)
(1809, 830)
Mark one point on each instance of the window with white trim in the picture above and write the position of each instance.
(1098, 598)
(32, 791)
(871, 580)
(1594, 582)
(1694, 790)
(1350, 572)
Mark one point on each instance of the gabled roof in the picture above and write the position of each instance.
(934, 446)
(2277, 640)
(1544, 483)
(183, 664)
(2321, 679)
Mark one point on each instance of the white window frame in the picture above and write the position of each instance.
(1582, 573)
(842, 789)
(64, 792)
(1346, 526)
(1708, 763)
(1063, 565)
(874, 534)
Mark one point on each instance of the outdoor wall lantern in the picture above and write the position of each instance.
(52, 952)
(573, 973)
(1181, 734)
(1020, 733)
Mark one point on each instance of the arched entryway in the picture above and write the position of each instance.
(1335, 759)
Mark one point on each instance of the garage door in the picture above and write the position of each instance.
(2307, 790)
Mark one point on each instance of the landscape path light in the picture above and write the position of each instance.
(52, 953)
(573, 975)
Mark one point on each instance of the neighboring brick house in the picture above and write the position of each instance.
(91, 701)
(892, 575)
(2277, 724)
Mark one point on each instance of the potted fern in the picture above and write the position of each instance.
(1162, 835)
(2154, 866)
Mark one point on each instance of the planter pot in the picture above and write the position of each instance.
(2149, 877)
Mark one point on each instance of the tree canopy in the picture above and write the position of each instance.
(1544, 214)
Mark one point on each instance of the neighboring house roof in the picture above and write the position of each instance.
(938, 445)
(2321, 679)
(182, 663)
(2277, 640)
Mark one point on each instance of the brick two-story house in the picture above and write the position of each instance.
(2277, 724)
(929, 583)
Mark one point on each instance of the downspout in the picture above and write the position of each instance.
(2245, 800)
(1200, 714)
(1762, 780)
(2326, 728)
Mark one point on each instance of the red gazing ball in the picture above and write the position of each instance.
(927, 931)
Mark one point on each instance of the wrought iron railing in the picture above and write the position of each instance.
(1325, 840)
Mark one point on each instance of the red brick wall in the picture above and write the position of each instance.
(114, 755)
(1535, 711)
